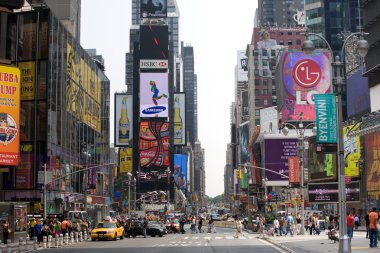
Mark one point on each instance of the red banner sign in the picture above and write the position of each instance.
(294, 170)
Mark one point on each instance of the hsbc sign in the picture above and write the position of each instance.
(153, 64)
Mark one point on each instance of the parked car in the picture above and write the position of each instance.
(107, 230)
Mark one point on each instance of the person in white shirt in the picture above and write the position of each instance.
(276, 224)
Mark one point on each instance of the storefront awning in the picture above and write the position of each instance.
(370, 124)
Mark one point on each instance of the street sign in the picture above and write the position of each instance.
(49, 177)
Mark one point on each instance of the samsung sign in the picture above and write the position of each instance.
(153, 64)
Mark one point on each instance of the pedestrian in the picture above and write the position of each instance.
(261, 225)
(6, 231)
(37, 231)
(298, 226)
(65, 225)
(373, 228)
(366, 218)
(57, 228)
(281, 225)
(289, 224)
(350, 225)
(200, 224)
(357, 221)
(32, 224)
(182, 222)
(239, 228)
(276, 225)
(145, 226)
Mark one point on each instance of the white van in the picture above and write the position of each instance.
(75, 215)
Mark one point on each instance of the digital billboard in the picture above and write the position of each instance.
(243, 142)
(154, 42)
(153, 8)
(154, 144)
(9, 115)
(352, 149)
(302, 76)
(154, 94)
(276, 154)
(180, 171)
(123, 120)
(329, 192)
(372, 169)
(179, 119)
(244, 106)
(242, 66)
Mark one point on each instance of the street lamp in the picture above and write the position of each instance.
(339, 81)
(264, 181)
(300, 130)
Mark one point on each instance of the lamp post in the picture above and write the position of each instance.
(264, 181)
(300, 130)
(339, 81)
(129, 194)
(134, 192)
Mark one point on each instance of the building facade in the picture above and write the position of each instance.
(274, 13)
(64, 117)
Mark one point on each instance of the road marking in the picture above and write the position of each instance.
(186, 238)
(195, 238)
(218, 238)
(360, 247)
(229, 237)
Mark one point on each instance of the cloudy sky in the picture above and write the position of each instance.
(216, 29)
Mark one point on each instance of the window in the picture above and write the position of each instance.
(265, 101)
(281, 42)
(255, 52)
(274, 102)
(265, 63)
(257, 82)
(273, 53)
(265, 82)
(264, 52)
(298, 33)
(257, 92)
(256, 72)
(281, 33)
(274, 92)
(290, 33)
(290, 42)
(257, 122)
(257, 112)
(256, 62)
(257, 102)
(298, 42)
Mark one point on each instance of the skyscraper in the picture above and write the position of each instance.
(278, 13)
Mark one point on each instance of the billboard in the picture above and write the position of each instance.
(125, 156)
(28, 79)
(294, 170)
(179, 119)
(329, 192)
(358, 94)
(180, 171)
(83, 88)
(9, 115)
(154, 42)
(154, 93)
(352, 149)
(372, 169)
(242, 66)
(269, 120)
(276, 154)
(153, 8)
(243, 142)
(326, 118)
(154, 144)
(244, 105)
(123, 120)
(302, 77)
(24, 172)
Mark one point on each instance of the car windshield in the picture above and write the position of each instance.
(106, 225)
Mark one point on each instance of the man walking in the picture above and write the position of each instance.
(366, 218)
(350, 225)
(289, 224)
(373, 223)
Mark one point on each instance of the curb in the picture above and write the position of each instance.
(279, 245)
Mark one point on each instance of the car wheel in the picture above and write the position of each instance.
(153, 235)
(160, 235)
(115, 238)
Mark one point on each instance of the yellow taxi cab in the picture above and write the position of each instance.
(107, 230)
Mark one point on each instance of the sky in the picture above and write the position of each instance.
(216, 29)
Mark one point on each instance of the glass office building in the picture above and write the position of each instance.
(64, 116)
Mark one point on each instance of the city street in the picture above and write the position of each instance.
(222, 241)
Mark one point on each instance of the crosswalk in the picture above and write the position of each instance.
(201, 240)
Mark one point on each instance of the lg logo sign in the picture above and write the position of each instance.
(307, 74)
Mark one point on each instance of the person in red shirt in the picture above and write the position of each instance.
(350, 225)
(373, 223)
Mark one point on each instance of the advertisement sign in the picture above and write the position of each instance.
(28, 79)
(154, 42)
(153, 8)
(242, 66)
(154, 144)
(243, 142)
(351, 151)
(294, 170)
(125, 156)
(154, 93)
(244, 106)
(9, 115)
(276, 154)
(325, 107)
(358, 94)
(269, 120)
(154, 64)
(302, 77)
(179, 120)
(83, 89)
(321, 166)
(180, 171)
(329, 192)
(372, 169)
(123, 120)
(24, 172)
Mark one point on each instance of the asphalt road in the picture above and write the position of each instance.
(223, 241)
